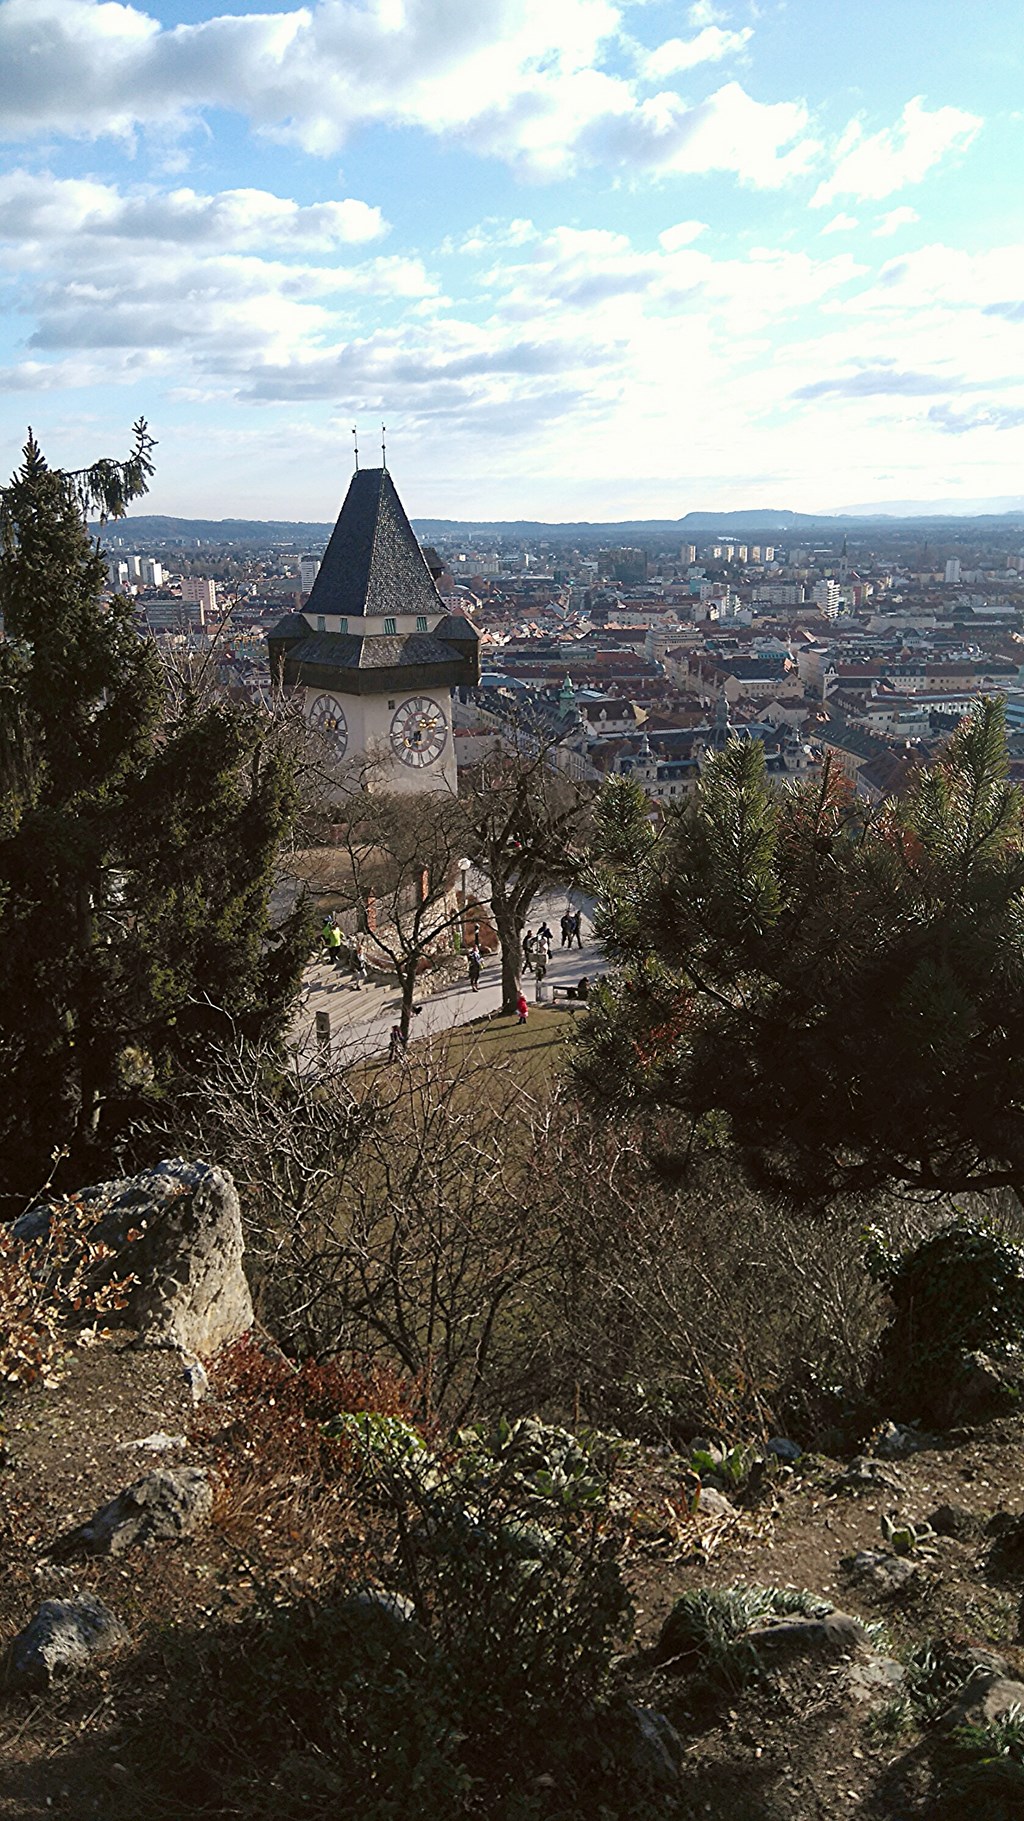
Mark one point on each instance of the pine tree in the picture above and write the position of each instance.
(841, 991)
(135, 856)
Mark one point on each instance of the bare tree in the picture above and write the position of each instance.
(526, 826)
(390, 1216)
(402, 853)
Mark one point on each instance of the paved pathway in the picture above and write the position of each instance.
(361, 1020)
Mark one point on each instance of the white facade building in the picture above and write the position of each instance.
(826, 596)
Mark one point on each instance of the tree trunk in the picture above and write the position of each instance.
(509, 935)
(407, 978)
(87, 1055)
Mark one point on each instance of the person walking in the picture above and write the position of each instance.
(474, 969)
(522, 1009)
(566, 929)
(332, 941)
(359, 965)
(529, 950)
(576, 930)
(545, 941)
(397, 1047)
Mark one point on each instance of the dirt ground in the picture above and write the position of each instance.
(795, 1748)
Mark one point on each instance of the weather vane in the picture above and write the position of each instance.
(355, 444)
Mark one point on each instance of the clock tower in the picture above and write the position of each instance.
(374, 650)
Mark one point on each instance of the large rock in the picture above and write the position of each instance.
(653, 1748)
(985, 1699)
(168, 1505)
(891, 1575)
(835, 1635)
(177, 1229)
(63, 1636)
(866, 1474)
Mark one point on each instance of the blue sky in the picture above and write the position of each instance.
(585, 258)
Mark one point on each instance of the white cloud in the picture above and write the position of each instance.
(874, 166)
(762, 143)
(38, 207)
(841, 224)
(894, 220)
(709, 46)
(681, 235)
(522, 80)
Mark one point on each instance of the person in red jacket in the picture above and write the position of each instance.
(522, 1008)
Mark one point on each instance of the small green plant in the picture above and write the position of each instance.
(907, 1538)
(936, 1672)
(893, 1719)
(706, 1633)
(982, 1770)
(1002, 1738)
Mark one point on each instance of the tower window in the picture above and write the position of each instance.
(342, 625)
(389, 625)
(421, 622)
(321, 623)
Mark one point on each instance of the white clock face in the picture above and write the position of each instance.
(326, 717)
(419, 731)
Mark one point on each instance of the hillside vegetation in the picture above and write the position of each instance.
(631, 1421)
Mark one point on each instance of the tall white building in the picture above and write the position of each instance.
(309, 568)
(151, 574)
(953, 570)
(826, 596)
(202, 593)
(374, 651)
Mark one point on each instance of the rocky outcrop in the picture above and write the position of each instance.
(985, 1700)
(168, 1505)
(63, 1636)
(177, 1231)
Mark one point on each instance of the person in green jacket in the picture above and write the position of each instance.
(332, 940)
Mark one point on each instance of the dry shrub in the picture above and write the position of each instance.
(682, 1306)
(389, 1216)
(54, 1288)
(282, 1478)
(507, 1252)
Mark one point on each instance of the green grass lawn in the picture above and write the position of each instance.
(538, 1046)
(533, 1053)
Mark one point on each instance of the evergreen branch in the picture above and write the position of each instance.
(105, 489)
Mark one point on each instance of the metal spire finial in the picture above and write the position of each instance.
(355, 445)
(383, 450)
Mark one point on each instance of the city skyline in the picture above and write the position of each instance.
(597, 260)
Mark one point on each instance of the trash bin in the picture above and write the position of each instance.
(545, 992)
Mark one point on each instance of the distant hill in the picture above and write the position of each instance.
(151, 528)
(141, 529)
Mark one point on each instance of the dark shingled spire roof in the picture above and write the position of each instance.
(373, 563)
